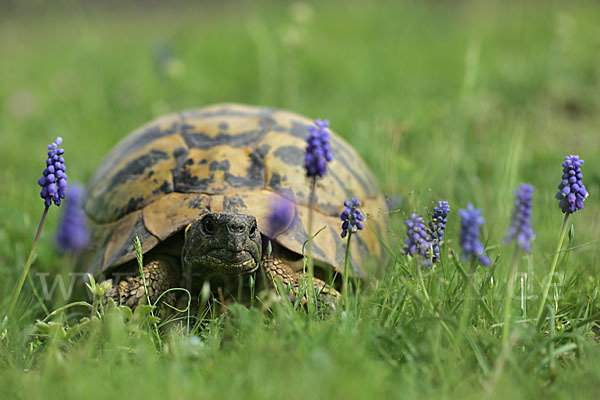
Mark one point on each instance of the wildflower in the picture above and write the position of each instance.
(352, 218)
(54, 185)
(418, 239)
(470, 221)
(439, 220)
(318, 154)
(352, 221)
(520, 228)
(73, 234)
(280, 216)
(54, 179)
(437, 225)
(572, 191)
(318, 151)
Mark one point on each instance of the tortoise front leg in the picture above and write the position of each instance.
(276, 269)
(160, 272)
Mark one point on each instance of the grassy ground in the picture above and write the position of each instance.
(460, 102)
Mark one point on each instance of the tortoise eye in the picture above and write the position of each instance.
(209, 225)
(253, 229)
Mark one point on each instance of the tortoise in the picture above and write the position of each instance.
(195, 187)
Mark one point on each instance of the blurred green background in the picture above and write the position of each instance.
(454, 100)
(444, 100)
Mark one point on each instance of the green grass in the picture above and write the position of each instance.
(455, 101)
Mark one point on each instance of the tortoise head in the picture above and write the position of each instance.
(221, 245)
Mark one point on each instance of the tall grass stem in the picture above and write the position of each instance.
(561, 239)
(346, 265)
(508, 296)
(138, 255)
(27, 264)
(310, 292)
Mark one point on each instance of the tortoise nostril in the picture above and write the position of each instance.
(236, 226)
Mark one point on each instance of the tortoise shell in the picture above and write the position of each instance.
(224, 158)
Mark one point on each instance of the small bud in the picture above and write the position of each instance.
(571, 233)
(106, 286)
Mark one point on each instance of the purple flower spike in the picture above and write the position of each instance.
(520, 228)
(352, 219)
(437, 226)
(280, 216)
(571, 190)
(318, 151)
(73, 234)
(418, 240)
(470, 221)
(54, 179)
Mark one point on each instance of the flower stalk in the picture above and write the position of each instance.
(352, 221)
(561, 239)
(28, 263)
(54, 185)
(571, 195)
(311, 298)
(346, 264)
(317, 155)
(508, 296)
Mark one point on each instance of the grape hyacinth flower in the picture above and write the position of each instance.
(437, 225)
(470, 221)
(280, 215)
(572, 191)
(73, 234)
(520, 228)
(318, 154)
(352, 221)
(54, 179)
(318, 151)
(418, 240)
(54, 185)
(439, 220)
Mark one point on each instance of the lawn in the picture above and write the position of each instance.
(457, 101)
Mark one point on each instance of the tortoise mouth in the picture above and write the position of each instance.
(229, 256)
(230, 262)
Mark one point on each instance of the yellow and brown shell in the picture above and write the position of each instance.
(224, 158)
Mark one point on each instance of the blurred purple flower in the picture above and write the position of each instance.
(394, 202)
(73, 234)
(280, 215)
(54, 179)
(520, 228)
(318, 151)
(352, 219)
(470, 221)
(572, 191)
